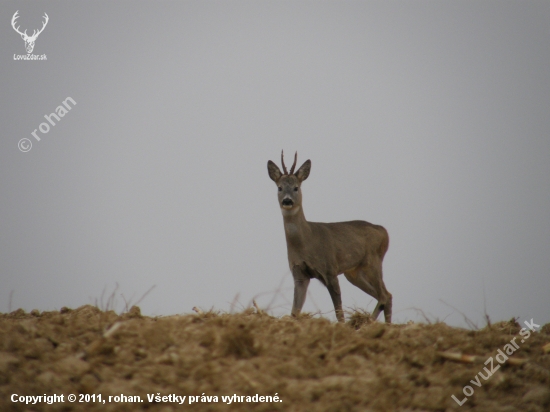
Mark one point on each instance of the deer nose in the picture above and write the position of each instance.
(287, 202)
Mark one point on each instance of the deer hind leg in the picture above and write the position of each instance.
(384, 306)
(373, 274)
(369, 280)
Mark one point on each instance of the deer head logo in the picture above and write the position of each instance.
(29, 40)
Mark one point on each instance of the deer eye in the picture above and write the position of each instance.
(280, 189)
(296, 189)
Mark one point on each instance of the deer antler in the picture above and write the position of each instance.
(294, 164)
(35, 34)
(283, 163)
(15, 17)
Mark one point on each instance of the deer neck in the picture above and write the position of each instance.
(296, 228)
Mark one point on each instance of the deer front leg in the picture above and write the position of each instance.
(301, 282)
(334, 289)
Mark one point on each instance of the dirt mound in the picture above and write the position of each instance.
(261, 363)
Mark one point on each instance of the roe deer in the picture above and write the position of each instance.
(325, 250)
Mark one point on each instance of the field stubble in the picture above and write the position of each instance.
(312, 364)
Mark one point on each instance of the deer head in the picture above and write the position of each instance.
(289, 184)
(29, 40)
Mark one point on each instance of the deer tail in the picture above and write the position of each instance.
(385, 242)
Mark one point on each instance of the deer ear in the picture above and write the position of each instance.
(303, 171)
(273, 171)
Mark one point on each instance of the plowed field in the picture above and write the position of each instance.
(305, 364)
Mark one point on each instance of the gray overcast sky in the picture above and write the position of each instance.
(430, 118)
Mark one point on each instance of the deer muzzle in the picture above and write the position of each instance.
(287, 203)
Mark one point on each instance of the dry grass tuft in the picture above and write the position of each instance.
(358, 318)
